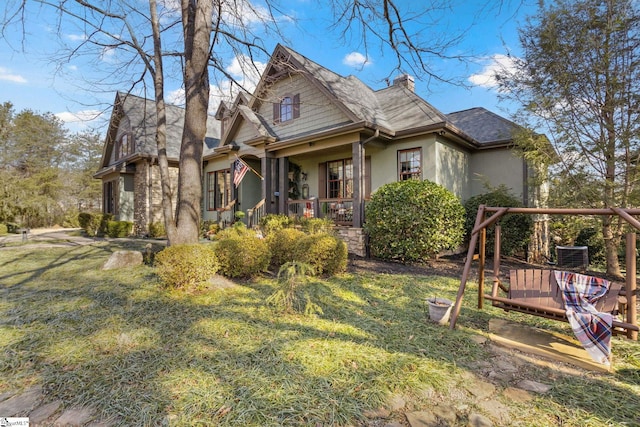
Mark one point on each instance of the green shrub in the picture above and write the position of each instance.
(413, 220)
(516, 229)
(90, 223)
(156, 229)
(119, 228)
(13, 228)
(186, 266)
(282, 244)
(4, 229)
(591, 237)
(326, 253)
(271, 223)
(316, 225)
(241, 253)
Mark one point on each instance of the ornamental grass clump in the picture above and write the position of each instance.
(289, 297)
(412, 220)
(186, 266)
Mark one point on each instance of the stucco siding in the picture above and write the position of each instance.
(495, 168)
(452, 169)
(316, 111)
(384, 163)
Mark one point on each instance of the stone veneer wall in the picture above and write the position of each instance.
(355, 240)
(148, 199)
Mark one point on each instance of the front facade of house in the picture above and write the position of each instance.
(318, 144)
(322, 143)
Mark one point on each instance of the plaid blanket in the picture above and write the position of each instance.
(592, 328)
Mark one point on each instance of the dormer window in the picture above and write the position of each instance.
(287, 109)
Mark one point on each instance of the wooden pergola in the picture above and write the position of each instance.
(478, 238)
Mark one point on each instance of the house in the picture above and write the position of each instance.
(318, 144)
(322, 143)
(129, 166)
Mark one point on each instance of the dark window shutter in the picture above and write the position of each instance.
(296, 106)
(322, 181)
(276, 112)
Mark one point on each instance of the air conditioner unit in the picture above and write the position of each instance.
(573, 256)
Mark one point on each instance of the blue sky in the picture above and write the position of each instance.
(33, 77)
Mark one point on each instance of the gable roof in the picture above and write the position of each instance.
(142, 118)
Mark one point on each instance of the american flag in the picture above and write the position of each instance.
(239, 171)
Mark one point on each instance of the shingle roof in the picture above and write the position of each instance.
(141, 114)
(483, 125)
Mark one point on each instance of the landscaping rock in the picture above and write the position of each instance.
(21, 404)
(42, 413)
(495, 410)
(75, 416)
(534, 386)
(517, 395)
(477, 420)
(376, 413)
(422, 419)
(123, 259)
(396, 403)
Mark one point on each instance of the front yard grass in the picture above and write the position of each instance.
(117, 341)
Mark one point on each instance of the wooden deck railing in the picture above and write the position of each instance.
(255, 214)
(338, 210)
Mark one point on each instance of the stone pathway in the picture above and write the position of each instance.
(31, 403)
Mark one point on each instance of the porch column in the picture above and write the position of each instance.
(358, 183)
(283, 184)
(266, 164)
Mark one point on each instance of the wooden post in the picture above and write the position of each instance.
(481, 259)
(467, 268)
(631, 285)
(496, 258)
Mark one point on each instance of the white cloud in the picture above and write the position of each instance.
(7, 75)
(79, 116)
(356, 60)
(498, 63)
(244, 72)
(76, 37)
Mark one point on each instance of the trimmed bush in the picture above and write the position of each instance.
(273, 222)
(119, 228)
(317, 225)
(282, 244)
(90, 223)
(156, 229)
(186, 266)
(4, 229)
(241, 253)
(326, 253)
(413, 220)
(516, 229)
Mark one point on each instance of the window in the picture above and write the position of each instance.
(410, 164)
(287, 109)
(340, 179)
(218, 189)
(124, 146)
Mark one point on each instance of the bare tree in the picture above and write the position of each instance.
(196, 37)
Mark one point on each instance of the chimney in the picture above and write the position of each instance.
(405, 80)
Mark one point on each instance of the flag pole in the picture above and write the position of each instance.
(250, 168)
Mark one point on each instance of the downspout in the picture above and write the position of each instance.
(372, 137)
